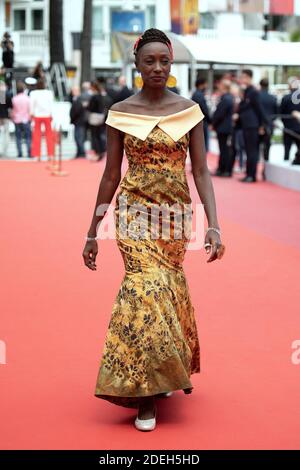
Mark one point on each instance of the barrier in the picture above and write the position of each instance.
(56, 167)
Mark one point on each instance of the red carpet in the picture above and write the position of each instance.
(55, 312)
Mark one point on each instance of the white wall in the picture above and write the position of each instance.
(229, 24)
(2, 19)
(73, 22)
(163, 15)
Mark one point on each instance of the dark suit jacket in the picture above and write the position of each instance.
(124, 93)
(78, 113)
(269, 104)
(252, 114)
(222, 117)
(286, 107)
(100, 103)
(199, 98)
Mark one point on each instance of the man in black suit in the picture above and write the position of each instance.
(289, 104)
(222, 123)
(269, 104)
(253, 121)
(199, 97)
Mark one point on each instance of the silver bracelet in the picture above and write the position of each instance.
(214, 229)
(89, 239)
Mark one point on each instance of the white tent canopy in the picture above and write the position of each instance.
(242, 51)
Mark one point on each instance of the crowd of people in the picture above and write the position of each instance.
(88, 113)
(241, 114)
(243, 120)
(89, 110)
(29, 110)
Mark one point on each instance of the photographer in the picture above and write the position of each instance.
(7, 51)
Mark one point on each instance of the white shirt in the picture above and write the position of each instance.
(41, 103)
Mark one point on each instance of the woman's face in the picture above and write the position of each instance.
(154, 64)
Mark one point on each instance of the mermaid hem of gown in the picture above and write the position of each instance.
(133, 402)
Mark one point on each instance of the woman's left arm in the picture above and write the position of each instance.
(205, 189)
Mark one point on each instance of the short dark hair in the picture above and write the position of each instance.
(100, 79)
(264, 83)
(248, 72)
(200, 81)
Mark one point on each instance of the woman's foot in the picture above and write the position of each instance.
(146, 408)
(146, 418)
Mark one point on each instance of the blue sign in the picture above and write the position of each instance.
(128, 21)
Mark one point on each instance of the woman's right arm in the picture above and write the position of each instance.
(109, 182)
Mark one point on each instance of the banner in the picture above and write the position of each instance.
(282, 7)
(272, 7)
(184, 16)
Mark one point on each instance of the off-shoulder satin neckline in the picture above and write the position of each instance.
(150, 115)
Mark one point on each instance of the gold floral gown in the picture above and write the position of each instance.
(151, 345)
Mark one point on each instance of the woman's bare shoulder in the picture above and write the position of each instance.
(124, 105)
(179, 102)
(187, 103)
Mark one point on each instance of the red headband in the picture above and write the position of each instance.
(168, 44)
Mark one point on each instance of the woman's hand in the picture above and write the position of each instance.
(89, 254)
(216, 249)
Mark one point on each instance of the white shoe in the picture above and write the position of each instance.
(145, 424)
(164, 395)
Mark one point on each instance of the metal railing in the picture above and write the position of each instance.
(33, 40)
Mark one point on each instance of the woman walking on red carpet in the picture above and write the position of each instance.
(151, 347)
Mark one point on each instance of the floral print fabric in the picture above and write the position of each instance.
(152, 344)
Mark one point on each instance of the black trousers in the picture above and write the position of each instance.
(98, 139)
(265, 140)
(251, 138)
(225, 158)
(288, 141)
